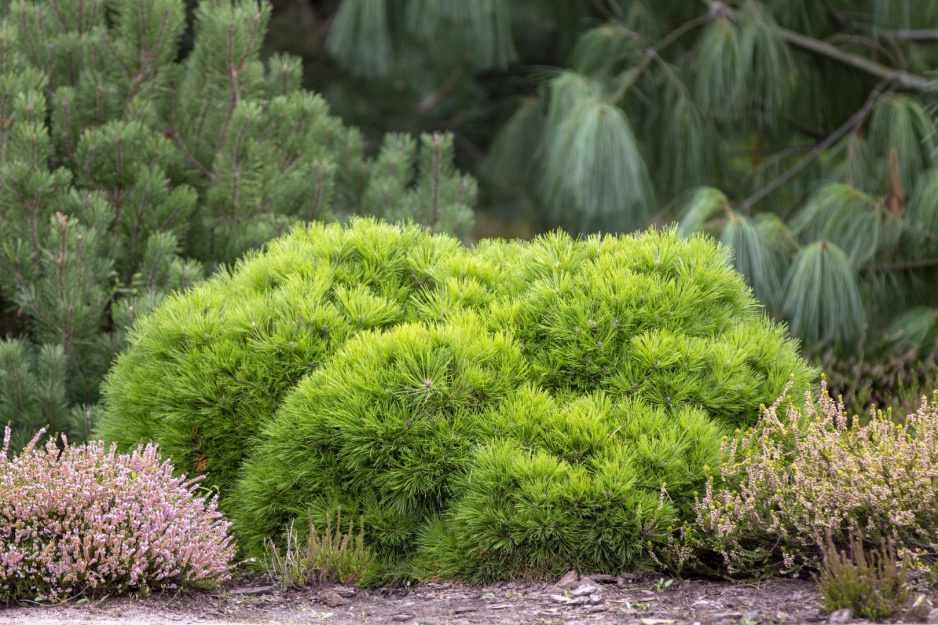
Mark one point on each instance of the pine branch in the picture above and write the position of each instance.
(855, 120)
(923, 35)
(430, 102)
(900, 266)
(653, 51)
(614, 5)
(174, 135)
(902, 80)
(605, 12)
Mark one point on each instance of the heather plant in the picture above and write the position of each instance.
(333, 556)
(86, 521)
(128, 170)
(210, 367)
(873, 586)
(810, 475)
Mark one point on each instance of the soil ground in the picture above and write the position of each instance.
(633, 599)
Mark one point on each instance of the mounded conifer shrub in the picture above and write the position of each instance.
(614, 364)
(382, 430)
(586, 484)
(209, 367)
(653, 315)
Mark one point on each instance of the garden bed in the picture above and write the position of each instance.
(643, 600)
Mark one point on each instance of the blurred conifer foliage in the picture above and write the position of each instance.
(127, 171)
(799, 132)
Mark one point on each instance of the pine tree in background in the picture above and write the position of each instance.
(126, 173)
(807, 125)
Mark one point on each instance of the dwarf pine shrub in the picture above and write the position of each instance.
(651, 315)
(808, 475)
(209, 367)
(382, 430)
(128, 170)
(587, 484)
(84, 520)
(399, 376)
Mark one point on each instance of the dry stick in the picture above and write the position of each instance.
(855, 120)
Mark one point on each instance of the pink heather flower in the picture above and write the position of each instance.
(86, 520)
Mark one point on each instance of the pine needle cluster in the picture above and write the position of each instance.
(514, 409)
(128, 170)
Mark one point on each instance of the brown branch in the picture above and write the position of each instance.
(431, 101)
(189, 155)
(605, 12)
(653, 51)
(926, 35)
(855, 120)
(902, 80)
(900, 266)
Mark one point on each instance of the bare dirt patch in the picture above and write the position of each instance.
(634, 599)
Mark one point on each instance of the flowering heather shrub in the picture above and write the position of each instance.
(808, 472)
(86, 520)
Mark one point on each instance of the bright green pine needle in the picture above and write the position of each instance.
(754, 255)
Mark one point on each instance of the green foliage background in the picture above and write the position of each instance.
(800, 133)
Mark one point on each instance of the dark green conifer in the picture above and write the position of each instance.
(124, 171)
